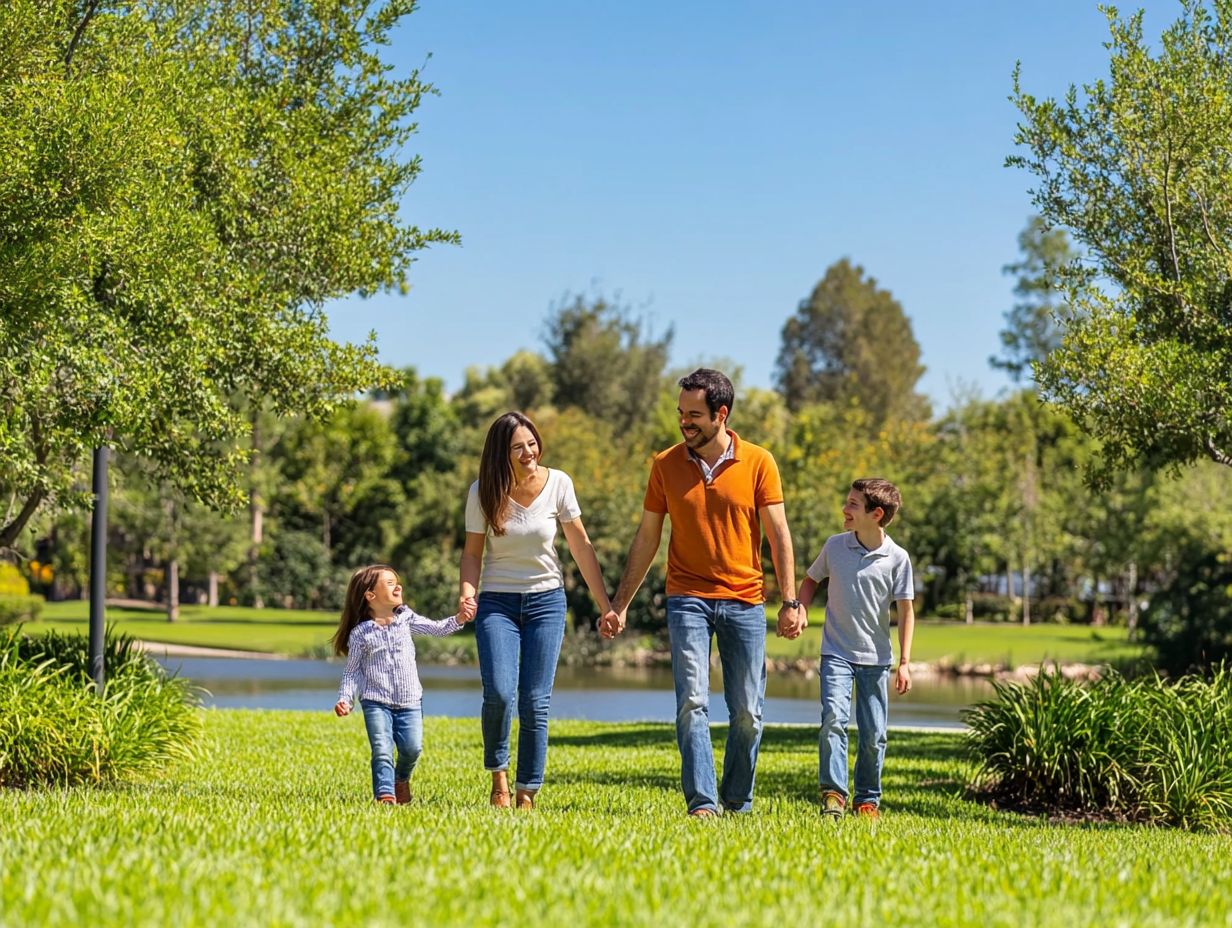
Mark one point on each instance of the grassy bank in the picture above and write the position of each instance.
(273, 826)
(302, 632)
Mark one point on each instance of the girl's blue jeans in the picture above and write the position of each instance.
(389, 727)
(872, 708)
(519, 637)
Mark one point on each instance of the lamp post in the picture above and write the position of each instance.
(98, 567)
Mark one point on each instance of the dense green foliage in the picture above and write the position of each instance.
(185, 186)
(274, 825)
(1137, 171)
(1138, 749)
(55, 730)
(1189, 620)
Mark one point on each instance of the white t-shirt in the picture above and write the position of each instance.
(523, 560)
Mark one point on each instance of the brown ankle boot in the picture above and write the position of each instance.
(402, 792)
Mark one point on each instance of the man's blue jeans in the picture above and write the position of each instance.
(519, 636)
(740, 630)
(870, 680)
(388, 727)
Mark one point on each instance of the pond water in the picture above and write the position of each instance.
(607, 694)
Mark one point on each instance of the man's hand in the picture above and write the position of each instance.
(902, 678)
(612, 623)
(792, 621)
(342, 708)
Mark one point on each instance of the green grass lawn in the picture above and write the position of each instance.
(273, 826)
(302, 632)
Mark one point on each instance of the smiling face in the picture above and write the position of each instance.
(523, 453)
(386, 593)
(855, 516)
(697, 425)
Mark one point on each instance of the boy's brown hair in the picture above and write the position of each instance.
(879, 492)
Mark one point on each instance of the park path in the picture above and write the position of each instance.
(163, 649)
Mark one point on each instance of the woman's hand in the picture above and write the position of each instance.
(467, 607)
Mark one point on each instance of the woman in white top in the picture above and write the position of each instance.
(512, 511)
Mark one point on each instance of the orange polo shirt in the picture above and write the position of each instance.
(715, 547)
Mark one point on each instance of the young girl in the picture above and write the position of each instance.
(375, 633)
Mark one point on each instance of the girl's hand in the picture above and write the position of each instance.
(467, 607)
(342, 708)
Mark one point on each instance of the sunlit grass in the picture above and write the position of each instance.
(274, 826)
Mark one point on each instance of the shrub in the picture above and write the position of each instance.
(1189, 621)
(1140, 749)
(56, 731)
(20, 609)
(12, 583)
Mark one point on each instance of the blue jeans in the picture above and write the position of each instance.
(389, 726)
(837, 677)
(519, 636)
(740, 629)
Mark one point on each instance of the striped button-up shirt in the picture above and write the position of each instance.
(381, 659)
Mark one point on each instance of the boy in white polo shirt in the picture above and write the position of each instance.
(867, 571)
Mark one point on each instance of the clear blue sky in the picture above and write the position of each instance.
(706, 162)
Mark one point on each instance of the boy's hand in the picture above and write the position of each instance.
(342, 708)
(902, 679)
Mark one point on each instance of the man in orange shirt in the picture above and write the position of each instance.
(720, 492)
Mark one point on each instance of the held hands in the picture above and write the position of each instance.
(467, 607)
(612, 623)
(792, 621)
(342, 708)
(902, 679)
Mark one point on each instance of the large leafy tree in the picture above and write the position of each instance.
(851, 340)
(1139, 170)
(1033, 325)
(185, 186)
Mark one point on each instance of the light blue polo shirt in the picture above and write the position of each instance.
(863, 583)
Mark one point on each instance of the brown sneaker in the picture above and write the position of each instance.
(402, 792)
(832, 803)
(525, 800)
(499, 799)
(867, 810)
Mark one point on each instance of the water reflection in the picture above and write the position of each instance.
(594, 693)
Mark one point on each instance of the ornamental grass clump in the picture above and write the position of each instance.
(1141, 749)
(55, 730)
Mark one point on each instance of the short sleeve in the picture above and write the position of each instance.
(904, 580)
(769, 489)
(656, 494)
(475, 522)
(820, 568)
(567, 508)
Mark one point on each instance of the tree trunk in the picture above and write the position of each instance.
(256, 513)
(173, 589)
(969, 607)
(1131, 600)
(212, 601)
(1026, 593)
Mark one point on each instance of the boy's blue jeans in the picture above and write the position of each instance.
(519, 636)
(740, 630)
(388, 727)
(872, 708)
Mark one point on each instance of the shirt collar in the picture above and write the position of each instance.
(882, 551)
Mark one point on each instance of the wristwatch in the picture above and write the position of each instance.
(793, 603)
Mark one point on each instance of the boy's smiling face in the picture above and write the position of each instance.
(856, 518)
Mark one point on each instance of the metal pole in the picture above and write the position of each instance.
(98, 567)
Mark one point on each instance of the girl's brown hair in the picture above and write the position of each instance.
(356, 608)
(496, 470)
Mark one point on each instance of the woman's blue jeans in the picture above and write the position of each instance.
(872, 708)
(740, 631)
(519, 637)
(388, 727)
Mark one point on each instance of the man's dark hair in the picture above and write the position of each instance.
(718, 389)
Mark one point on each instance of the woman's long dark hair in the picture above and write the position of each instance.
(356, 608)
(496, 470)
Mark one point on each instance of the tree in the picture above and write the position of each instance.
(1033, 326)
(1139, 173)
(851, 341)
(185, 186)
(605, 361)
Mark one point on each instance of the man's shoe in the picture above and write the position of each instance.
(832, 804)
(867, 810)
(402, 792)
